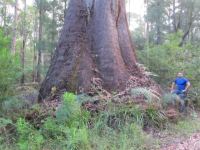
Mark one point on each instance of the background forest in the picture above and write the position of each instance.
(167, 41)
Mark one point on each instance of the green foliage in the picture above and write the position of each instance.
(69, 109)
(118, 127)
(6, 135)
(186, 126)
(70, 112)
(148, 94)
(9, 68)
(168, 59)
(4, 122)
(168, 99)
(156, 16)
(29, 138)
(130, 136)
(155, 118)
(138, 38)
(12, 104)
(69, 128)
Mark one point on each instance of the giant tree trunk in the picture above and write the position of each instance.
(95, 43)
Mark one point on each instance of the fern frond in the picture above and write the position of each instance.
(147, 93)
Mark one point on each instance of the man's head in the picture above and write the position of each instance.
(180, 74)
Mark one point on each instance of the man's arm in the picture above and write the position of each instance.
(187, 86)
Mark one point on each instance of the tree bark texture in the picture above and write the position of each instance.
(95, 43)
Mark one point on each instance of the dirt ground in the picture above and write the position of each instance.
(191, 143)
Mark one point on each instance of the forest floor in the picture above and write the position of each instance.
(191, 143)
(185, 135)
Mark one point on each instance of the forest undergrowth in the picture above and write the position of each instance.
(85, 122)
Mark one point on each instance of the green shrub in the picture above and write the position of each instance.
(155, 118)
(71, 112)
(28, 137)
(69, 108)
(69, 128)
(9, 68)
(6, 135)
(148, 94)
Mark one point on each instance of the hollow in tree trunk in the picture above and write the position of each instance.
(95, 43)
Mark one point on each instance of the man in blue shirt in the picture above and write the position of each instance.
(180, 87)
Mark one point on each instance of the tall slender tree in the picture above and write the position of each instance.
(13, 48)
(4, 15)
(24, 35)
(38, 74)
(35, 39)
(65, 7)
(53, 27)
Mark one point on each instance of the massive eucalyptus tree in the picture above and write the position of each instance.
(95, 43)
